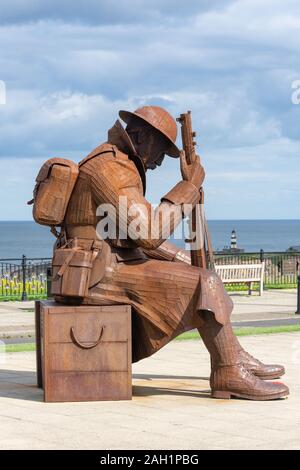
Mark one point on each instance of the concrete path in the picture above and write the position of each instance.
(171, 407)
(272, 305)
(17, 318)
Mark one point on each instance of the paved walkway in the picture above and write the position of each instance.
(273, 304)
(171, 407)
(17, 318)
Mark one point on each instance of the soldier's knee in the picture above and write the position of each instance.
(210, 276)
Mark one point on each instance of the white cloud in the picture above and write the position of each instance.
(271, 22)
(103, 11)
(69, 70)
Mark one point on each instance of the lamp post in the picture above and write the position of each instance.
(24, 295)
(298, 295)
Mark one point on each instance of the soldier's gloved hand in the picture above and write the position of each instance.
(194, 172)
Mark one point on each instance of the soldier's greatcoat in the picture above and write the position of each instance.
(165, 293)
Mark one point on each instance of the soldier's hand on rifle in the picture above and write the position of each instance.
(193, 172)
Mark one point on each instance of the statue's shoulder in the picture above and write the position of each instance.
(110, 151)
(109, 162)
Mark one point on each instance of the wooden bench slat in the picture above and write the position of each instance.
(238, 273)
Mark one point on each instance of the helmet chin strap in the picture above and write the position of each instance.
(151, 164)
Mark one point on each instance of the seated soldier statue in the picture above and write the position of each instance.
(168, 295)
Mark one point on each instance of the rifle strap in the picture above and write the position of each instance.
(207, 239)
(210, 252)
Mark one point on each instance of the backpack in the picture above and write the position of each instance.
(54, 185)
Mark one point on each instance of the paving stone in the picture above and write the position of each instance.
(171, 406)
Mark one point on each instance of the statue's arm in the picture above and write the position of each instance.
(156, 225)
(146, 226)
(168, 251)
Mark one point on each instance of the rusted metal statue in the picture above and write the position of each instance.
(170, 291)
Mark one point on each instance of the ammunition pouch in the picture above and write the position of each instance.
(72, 267)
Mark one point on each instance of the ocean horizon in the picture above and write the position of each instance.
(36, 241)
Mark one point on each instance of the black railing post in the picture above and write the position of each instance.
(24, 295)
(298, 295)
(261, 255)
(49, 278)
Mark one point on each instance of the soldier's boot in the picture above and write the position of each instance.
(258, 368)
(229, 377)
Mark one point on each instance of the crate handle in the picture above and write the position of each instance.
(82, 345)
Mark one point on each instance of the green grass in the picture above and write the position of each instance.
(7, 298)
(20, 347)
(281, 286)
(248, 331)
(228, 287)
(245, 287)
(245, 331)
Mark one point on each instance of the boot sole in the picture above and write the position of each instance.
(228, 395)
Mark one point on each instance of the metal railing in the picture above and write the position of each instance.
(281, 268)
(26, 278)
(23, 278)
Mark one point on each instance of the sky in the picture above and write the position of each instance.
(67, 68)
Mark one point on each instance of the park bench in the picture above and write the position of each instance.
(243, 273)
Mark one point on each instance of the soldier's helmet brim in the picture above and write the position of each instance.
(173, 150)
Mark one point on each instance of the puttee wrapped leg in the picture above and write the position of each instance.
(229, 377)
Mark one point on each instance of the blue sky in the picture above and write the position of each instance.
(70, 66)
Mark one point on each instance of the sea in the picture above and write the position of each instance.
(19, 238)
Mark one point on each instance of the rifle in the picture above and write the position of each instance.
(197, 222)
